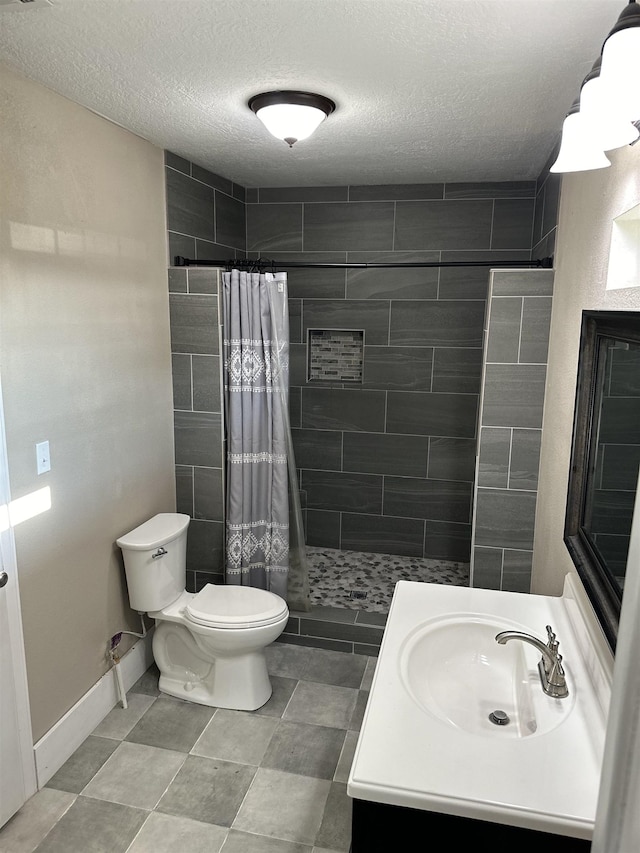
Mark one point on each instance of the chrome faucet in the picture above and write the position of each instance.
(552, 677)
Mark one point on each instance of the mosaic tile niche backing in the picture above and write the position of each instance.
(335, 355)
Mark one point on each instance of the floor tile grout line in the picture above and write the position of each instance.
(280, 718)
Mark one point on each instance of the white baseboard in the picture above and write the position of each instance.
(61, 741)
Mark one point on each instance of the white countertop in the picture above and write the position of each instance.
(407, 756)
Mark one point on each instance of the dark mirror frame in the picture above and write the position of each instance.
(605, 595)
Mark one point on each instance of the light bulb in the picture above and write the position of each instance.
(578, 152)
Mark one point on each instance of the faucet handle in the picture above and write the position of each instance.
(552, 643)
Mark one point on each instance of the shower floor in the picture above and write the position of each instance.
(362, 581)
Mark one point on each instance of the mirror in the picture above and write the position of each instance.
(605, 457)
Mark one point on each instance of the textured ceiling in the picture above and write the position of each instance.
(426, 90)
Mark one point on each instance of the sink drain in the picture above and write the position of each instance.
(499, 718)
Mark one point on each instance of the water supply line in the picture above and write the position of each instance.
(113, 654)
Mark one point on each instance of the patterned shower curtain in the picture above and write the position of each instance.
(256, 376)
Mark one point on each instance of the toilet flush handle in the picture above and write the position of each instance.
(159, 553)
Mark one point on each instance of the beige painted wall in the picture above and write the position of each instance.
(589, 201)
(85, 361)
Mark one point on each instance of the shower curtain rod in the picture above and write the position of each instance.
(266, 263)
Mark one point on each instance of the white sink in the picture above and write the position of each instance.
(426, 740)
(453, 668)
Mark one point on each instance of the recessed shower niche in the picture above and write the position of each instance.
(335, 355)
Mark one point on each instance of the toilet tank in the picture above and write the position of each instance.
(155, 561)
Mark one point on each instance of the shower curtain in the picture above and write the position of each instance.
(264, 534)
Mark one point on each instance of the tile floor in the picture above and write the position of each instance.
(358, 580)
(167, 775)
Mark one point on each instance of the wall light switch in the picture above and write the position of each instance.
(43, 457)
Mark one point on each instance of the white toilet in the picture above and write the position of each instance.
(209, 646)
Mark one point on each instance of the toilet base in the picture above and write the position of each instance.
(239, 682)
(242, 685)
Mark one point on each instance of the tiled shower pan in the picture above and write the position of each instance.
(351, 593)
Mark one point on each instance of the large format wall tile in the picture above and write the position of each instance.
(438, 500)
(323, 528)
(189, 206)
(514, 395)
(181, 372)
(205, 547)
(181, 245)
(506, 516)
(337, 408)
(472, 282)
(371, 315)
(310, 283)
(522, 283)
(266, 195)
(398, 368)
(446, 540)
(206, 383)
(519, 314)
(194, 323)
(444, 323)
(452, 415)
(208, 500)
(319, 449)
(491, 189)
(443, 225)
(230, 221)
(487, 567)
(536, 320)
(525, 459)
(344, 492)
(512, 223)
(271, 227)
(402, 536)
(395, 192)
(493, 461)
(457, 369)
(516, 570)
(393, 282)
(350, 226)
(382, 453)
(451, 459)
(198, 439)
(503, 343)
(195, 347)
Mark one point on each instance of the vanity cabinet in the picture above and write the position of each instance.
(379, 828)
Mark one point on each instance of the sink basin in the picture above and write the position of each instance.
(454, 669)
(426, 741)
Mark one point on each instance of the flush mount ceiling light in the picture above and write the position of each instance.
(291, 116)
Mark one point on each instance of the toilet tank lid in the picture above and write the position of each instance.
(159, 530)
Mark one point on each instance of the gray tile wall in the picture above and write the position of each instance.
(205, 217)
(512, 400)
(198, 420)
(546, 209)
(205, 212)
(389, 466)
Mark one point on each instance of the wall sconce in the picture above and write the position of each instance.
(605, 115)
(291, 116)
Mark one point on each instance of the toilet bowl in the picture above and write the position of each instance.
(209, 646)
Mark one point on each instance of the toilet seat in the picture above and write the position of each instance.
(227, 606)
